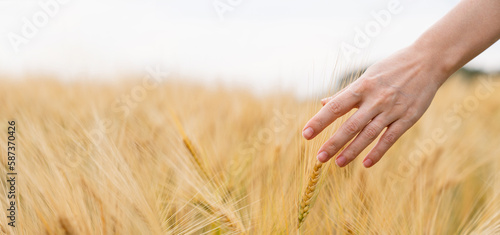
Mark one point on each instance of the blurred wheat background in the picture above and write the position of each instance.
(187, 159)
(215, 145)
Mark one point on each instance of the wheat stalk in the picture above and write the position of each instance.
(224, 217)
(306, 202)
(189, 145)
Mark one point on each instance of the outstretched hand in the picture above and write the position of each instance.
(393, 93)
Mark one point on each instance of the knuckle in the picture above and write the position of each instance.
(369, 82)
(317, 122)
(351, 127)
(365, 82)
(370, 132)
(358, 88)
(331, 148)
(334, 107)
(389, 138)
(349, 154)
(412, 115)
(378, 103)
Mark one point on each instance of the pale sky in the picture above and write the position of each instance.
(258, 43)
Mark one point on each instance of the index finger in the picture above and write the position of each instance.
(335, 108)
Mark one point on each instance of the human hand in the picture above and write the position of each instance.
(392, 93)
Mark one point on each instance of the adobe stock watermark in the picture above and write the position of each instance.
(222, 7)
(48, 9)
(452, 120)
(363, 36)
(122, 107)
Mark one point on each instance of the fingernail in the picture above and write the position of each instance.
(324, 99)
(322, 157)
(368, 162)
(307, 133)
(340, 161)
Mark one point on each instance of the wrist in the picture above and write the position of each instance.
(440, 61)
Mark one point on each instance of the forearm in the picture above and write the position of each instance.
(466, 31)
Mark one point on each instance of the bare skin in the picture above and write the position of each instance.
(395, 92)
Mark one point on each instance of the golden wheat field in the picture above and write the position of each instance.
(181, 158)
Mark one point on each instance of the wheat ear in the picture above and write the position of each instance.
(306, 202)
(189, 145)
(224, 217)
